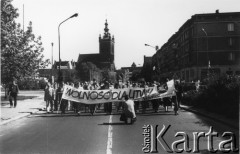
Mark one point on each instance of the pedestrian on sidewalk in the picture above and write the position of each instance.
(12, 93)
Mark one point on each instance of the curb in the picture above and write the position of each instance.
(211, 117)
(17, 117)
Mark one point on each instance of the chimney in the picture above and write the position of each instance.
(217, 11)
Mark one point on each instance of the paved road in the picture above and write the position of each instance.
(100, 134)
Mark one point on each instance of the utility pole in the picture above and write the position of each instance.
(52, 66)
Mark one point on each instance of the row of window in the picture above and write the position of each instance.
(182, 62)
(189, 74)
(185, 35)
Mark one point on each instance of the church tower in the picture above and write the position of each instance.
(106, 45)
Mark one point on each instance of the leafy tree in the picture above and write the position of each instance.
(84, 69)
(105, 74)
(21, 51)
(136, 74)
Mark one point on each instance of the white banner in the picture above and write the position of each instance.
(169, 93)
(114, 95)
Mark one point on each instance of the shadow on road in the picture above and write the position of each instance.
(71, 114)
(114, 123)
(157, 114)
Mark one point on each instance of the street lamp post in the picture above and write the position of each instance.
(207, 51)
(52, 66)
(154, 67)
(207, 46)
(59, 72)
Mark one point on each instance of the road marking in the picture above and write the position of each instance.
(109, 142)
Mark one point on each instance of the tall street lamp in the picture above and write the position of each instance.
(52, 66)
(207, 50)
(154, 67)
(59, 72)
(207, 46)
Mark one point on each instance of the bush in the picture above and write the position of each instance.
(31, 84)
(221, 96)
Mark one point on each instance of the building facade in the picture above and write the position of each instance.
(204, 44)
(103, 63)
(67, 70)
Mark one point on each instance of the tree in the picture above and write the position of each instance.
(136, 74)
(21, 51)
(86, 70)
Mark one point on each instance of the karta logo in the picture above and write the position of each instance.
(153, 138)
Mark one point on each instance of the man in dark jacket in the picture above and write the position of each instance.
(12, 93)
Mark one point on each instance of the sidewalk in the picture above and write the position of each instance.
(24, 107)
(216, 117)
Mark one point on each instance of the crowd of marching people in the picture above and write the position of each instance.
(54, 102)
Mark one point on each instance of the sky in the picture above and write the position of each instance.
(132, 22)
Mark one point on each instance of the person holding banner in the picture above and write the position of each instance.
(93, 86)
(136, 102)
(118, 85)
(79, 105)
(63, 103)
(144, 102)
(155, 103)
(70, 103)
(55, 102)
(85, 87)
(49, 97)
(76, 105)
(107, 106)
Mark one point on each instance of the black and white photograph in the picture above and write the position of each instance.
(120, 76)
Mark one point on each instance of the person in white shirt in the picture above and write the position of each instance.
(129, 108)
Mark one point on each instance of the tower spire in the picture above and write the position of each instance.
(106, 45)
(106, 33)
